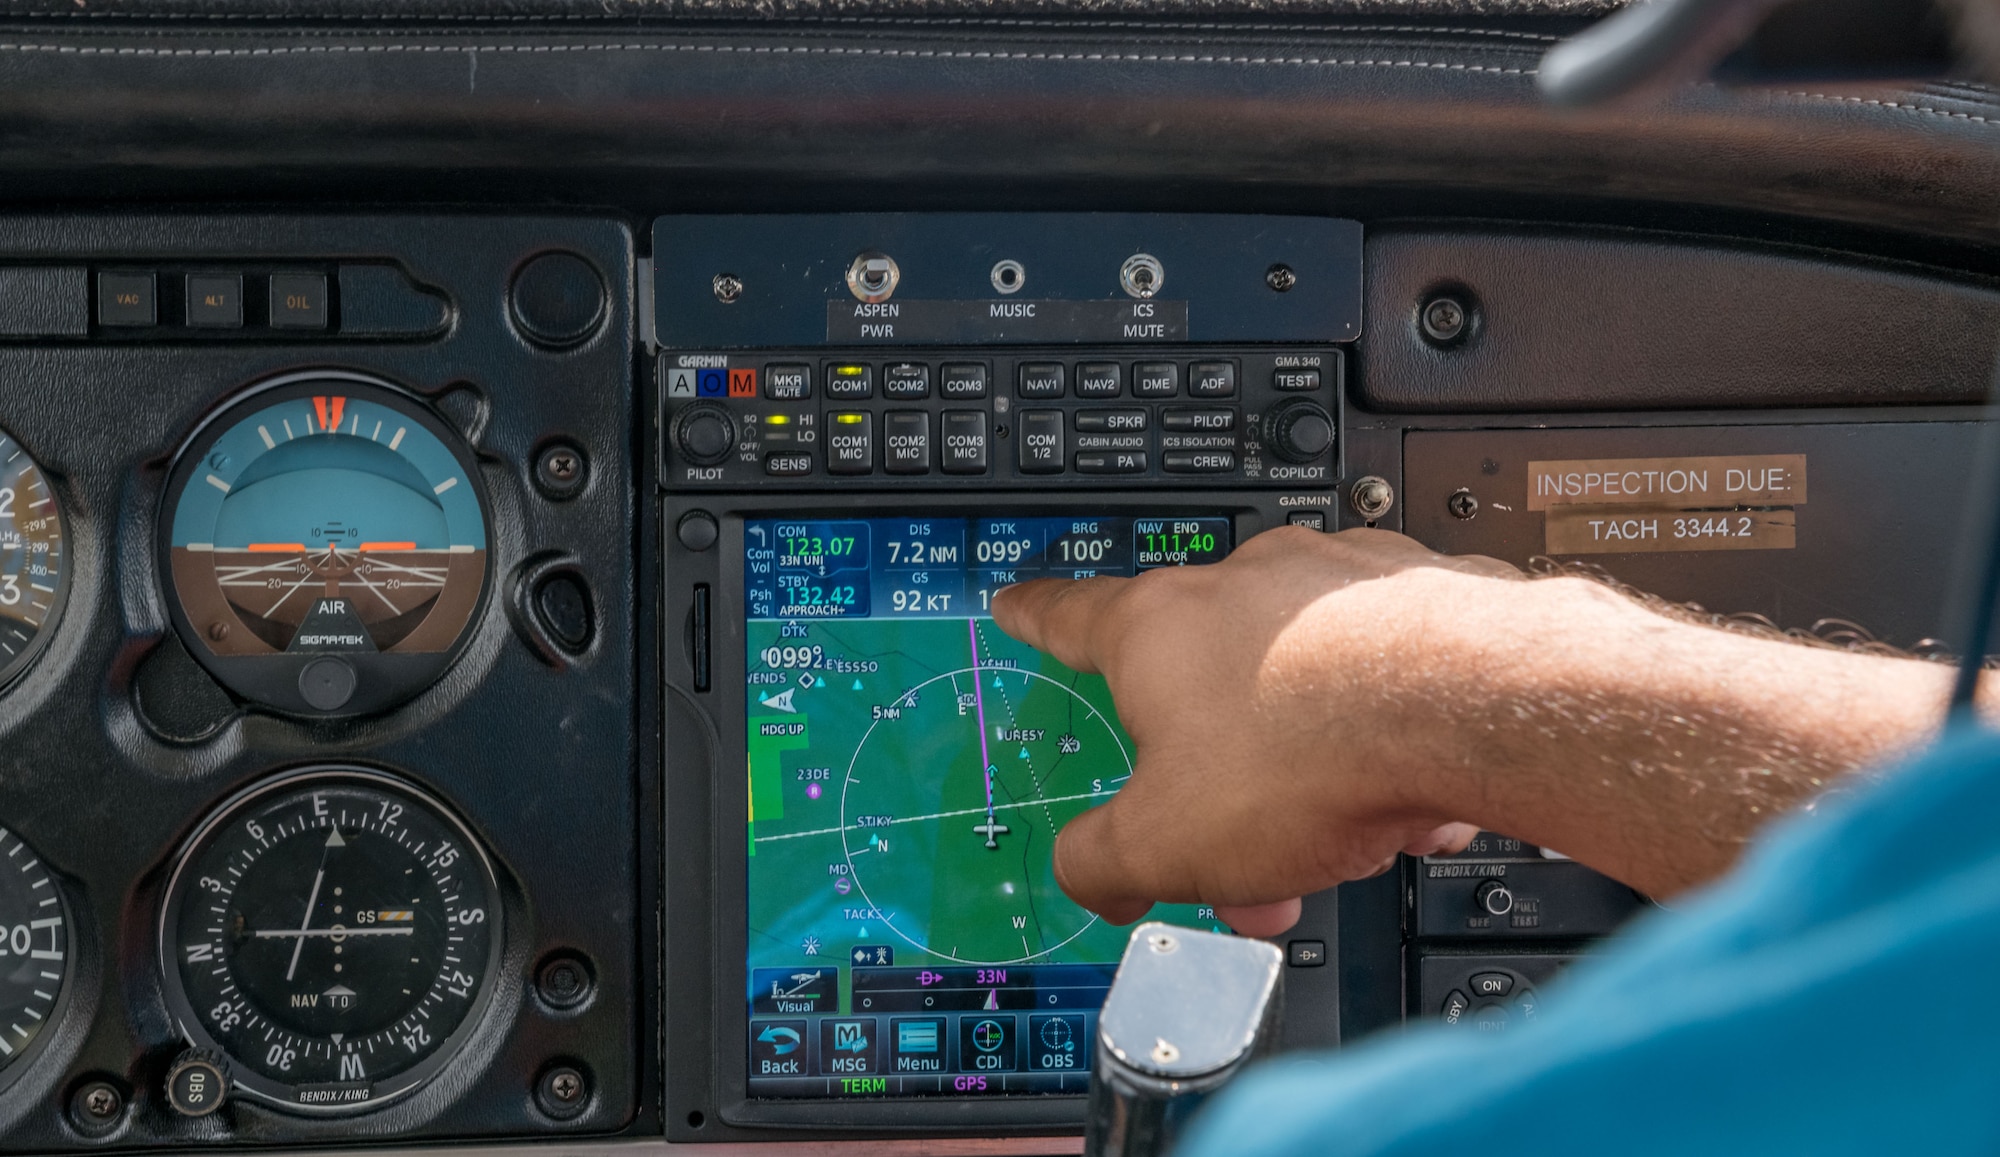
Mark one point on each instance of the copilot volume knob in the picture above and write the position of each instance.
(197, 1082)
(1493, 898)
(704, 434)
(1299, 431)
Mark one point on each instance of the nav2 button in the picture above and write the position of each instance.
(778, 1048)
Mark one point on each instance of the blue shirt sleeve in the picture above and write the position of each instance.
(1836, 994)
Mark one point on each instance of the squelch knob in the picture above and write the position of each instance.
(1493, 898)
(1299, 431)
(704, 434)
(197, 1082)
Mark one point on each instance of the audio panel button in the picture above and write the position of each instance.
(962, 380)
(1041, 444)
(1040, 380)
(906, 381)
(906, 442)
(850, 442)
(964, 442)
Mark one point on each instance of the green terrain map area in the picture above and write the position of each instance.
(906, 791)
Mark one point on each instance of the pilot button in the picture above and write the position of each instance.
(965, 441)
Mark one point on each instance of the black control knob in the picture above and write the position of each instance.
(197, 1082)
(1299, 431)
(704, 434)
(1493, 898)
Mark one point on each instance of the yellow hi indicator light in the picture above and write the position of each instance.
(777, 419)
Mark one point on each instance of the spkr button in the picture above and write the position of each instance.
(1041, 441)
(850, 442)
(906, 442)
(1099, 380)
(965, 444)
(1040, 380)
(1114, 421)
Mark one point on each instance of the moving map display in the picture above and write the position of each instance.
(909, 768)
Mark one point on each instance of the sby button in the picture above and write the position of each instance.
(906, 442)
(965, 445)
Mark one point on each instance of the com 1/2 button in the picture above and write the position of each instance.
(1041, 442)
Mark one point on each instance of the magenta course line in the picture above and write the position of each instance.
(979, 703)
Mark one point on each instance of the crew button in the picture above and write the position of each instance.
(906, 381)
(1040, 380)
(850, 382)
(962, 380)
(850, 442)
(126, 299)
(1041, 441)
(215, 301)
(906, 442)
(1212, 380)
(1295, 381)
(1156, 379)
(1099, 380)
(788, 464)
(1198, 461)
(1111, 462)
(1491, 984)
(965, 441)
(787, 383)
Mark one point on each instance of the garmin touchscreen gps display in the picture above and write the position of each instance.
(909, 768)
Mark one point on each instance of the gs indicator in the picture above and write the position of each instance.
(34, 560)
(326, 546)
(332, 933)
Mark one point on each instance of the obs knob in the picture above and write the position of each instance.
(704, 434)
(1299, 431)
(197, 1082)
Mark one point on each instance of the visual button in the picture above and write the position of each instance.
(850, 442)
(1156, 379)
(1099, 380)
(787, 383)
(906, 442)
(1212, 380)
(126, 299)
(849, 1046)
(987, 1044)
(298, 301)
(215, 301)
(778, 1048)
(917, 1046)
(965, 443)
(962, 380)
(1041, 441)
(794, 990)
(1040, 380)
(906, 381)
(850, 382)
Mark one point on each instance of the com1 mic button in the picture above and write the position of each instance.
(704, 434)
(1299, 431)
(850, 442)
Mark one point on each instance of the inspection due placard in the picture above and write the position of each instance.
(1621, 505)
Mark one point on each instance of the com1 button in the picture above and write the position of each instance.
(850, 442)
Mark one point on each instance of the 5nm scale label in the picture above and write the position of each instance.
(333, 934)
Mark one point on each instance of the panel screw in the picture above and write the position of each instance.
(1162, 943)
(1280, 277)
(728, 287)
(560, 470)
(1165, 1052)
(562, 1091)
(1462, 504)
(1444, 319)
(96, 1105)
(1372, 497)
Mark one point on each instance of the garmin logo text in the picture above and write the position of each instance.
(1305, 500)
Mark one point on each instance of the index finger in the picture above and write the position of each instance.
(1059, 617)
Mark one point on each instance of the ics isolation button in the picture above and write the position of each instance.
(965, 446)
(1198, 461)
(788, 464)
(850, 382)
(850, 442)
